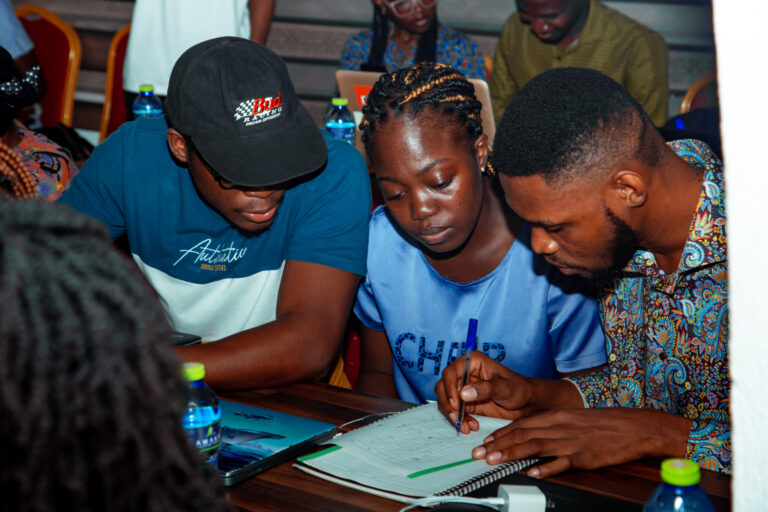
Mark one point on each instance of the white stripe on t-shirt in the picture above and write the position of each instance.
(218, 309)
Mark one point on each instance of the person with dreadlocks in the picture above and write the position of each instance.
(445, 248)
(91, 395)
(31, 165)
(414, 36)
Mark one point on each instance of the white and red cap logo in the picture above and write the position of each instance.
(257, 110)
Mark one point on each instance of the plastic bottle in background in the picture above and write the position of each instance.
(202, 419)
(680, 491)
(146, 103)
(339, 121)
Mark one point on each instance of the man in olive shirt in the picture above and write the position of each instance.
(546, 34)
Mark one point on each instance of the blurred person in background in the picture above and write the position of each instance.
(546, 34)
(162, 31)
(31, 165)
(414, 35)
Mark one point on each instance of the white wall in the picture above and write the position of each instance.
(741, 48)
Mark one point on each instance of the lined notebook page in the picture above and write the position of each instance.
(416, 439)
(382, 455)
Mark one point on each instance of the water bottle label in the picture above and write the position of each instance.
(206, 437)
(148, 112)
(342, 131)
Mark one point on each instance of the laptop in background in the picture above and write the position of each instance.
(355, 86)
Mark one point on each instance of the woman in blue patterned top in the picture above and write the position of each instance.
(414, 36)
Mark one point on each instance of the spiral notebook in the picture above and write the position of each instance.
(411, 454)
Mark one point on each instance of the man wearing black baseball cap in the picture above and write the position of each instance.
(250, 223)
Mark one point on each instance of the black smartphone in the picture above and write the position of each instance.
(182, 338)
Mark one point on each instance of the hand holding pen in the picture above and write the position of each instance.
(491, 389)
(469, 348)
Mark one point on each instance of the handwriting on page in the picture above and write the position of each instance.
(415, 440)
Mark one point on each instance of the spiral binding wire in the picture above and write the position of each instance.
(488, 477)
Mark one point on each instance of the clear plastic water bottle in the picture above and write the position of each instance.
(202, 419)
(680, 491)
(339, 121)
(146, 103)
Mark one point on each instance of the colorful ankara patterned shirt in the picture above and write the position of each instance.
(50, 165)
(667, 335)
(453, 48)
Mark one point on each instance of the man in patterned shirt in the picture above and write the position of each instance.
(607, 198)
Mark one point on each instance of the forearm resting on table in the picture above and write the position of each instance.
(277, 353)
(587, 438)
(657, 433)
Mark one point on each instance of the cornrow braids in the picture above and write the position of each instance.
(410, 90)
(15, 179)
(91, 394)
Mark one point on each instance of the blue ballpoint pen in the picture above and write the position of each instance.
(470, 346)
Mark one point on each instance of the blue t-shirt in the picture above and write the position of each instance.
(213, 279)
(530, 317)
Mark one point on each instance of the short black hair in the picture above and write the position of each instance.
(411, 90)
(566, 120)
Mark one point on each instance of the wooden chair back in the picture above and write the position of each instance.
(114, 112)
(702, 93)
(58, 50)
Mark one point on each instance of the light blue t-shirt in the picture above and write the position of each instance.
(212, 279)
(531, 318)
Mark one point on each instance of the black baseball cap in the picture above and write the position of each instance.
(235, 100)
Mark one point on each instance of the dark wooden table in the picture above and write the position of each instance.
(623, 487)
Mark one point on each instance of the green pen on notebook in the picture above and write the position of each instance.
(470, 346)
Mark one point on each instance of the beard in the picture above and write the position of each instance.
(622, 246)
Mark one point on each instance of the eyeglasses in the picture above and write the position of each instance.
(403, 7)
(222, 181)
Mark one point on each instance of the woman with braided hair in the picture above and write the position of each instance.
(414, 35)
(91, 395)
(445, 248)
(31, 165)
